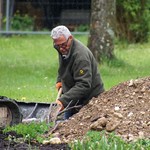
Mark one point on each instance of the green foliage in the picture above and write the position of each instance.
(133, 20)
(82, 28)
(99, 141)
(22, 22)
(30, 131)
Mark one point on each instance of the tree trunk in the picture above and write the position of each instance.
(102, 25)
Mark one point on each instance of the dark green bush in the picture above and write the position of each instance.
(22, 22)
(133, 20)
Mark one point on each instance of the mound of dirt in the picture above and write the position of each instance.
(124, 109)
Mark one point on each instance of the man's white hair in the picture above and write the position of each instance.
(59, 31)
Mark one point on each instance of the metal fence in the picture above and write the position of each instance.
(40, 16)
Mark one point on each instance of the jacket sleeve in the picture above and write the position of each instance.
(82, 74)
(58, 78)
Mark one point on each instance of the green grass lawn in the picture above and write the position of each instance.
(28, 66)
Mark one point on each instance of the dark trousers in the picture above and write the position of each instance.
(70, 113)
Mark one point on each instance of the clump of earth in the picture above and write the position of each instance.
(124, 110)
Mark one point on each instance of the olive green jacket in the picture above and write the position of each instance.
(79, 75)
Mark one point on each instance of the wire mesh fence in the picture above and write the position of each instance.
(39, 17)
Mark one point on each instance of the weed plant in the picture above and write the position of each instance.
(100, 141)
(29, 132)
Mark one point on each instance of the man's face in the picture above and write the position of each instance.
(62, 45)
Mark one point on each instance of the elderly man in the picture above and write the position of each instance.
(78, 74)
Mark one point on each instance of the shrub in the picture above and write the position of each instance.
(22, 22)
(133, 20)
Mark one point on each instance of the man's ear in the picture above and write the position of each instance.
(71, 37)
(70, 41)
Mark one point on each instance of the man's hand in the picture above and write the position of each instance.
(58, 85)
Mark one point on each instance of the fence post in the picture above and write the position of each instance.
(7, 16)
(1, 3)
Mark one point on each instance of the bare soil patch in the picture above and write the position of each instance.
(5, 144)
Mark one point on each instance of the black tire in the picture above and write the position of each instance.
(14, 109)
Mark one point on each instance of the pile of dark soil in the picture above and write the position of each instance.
(124, 109)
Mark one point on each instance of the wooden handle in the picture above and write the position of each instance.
(59, 93)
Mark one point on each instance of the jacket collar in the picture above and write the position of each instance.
(66, 57)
